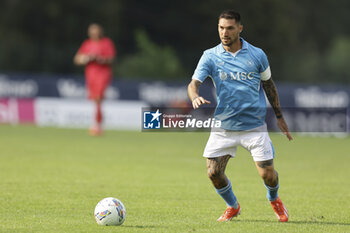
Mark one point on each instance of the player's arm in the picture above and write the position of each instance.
(272, 95)
(109, 52)
(193, 94)
(81, 59)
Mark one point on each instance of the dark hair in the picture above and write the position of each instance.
(230, 14)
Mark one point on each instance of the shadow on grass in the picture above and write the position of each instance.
(141, 226)
(297, 222)
(319, 222)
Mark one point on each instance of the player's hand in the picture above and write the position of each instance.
(100, 60)
(281, 123)
(93, 57)
(198, 101)
(82, 59)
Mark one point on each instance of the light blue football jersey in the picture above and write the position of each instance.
(241, 102)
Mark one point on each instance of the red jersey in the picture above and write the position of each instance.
(98, 75)
(103, 48)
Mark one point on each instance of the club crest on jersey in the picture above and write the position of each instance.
(223, 75)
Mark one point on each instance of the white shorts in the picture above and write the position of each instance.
(224, 142)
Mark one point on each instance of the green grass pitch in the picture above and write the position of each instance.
(51, 180)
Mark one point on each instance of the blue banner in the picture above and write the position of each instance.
(297, 99)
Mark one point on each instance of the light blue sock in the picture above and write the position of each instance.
(227, 194)
(272, 192)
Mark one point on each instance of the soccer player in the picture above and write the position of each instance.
(97, 55)
(238, 70)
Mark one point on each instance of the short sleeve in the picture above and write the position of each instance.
(109, 48)
(203, 69)
(84, 47)
(265, 71)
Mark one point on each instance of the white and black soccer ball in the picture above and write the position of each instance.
(110, 212)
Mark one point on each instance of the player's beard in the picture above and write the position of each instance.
(230, 42)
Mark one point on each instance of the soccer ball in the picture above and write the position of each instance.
(110, 212)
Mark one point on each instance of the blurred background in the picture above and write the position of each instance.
(159, 44)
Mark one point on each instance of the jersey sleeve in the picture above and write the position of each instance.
(83, 48)
(110, 51)
(203, 69)
(265, 71)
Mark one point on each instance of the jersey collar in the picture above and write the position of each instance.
(244, 45)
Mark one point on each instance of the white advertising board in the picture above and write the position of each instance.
(79, 113)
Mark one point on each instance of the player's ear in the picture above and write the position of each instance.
(240, 28)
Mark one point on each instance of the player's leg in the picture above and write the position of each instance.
(96, 129)
(97, 95)
(101, 87)
(98, 115)
(260, 146)
(216, 173)
(221, 146)
(270, 177)
(93, 91)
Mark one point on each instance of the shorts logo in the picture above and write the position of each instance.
(151, 120)
(267, 152)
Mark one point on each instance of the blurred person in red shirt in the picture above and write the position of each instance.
(97, 54)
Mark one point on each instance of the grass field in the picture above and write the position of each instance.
(51, 180)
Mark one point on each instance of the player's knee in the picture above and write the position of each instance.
(214, 174)
(268, 176)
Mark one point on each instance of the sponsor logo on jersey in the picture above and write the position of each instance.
(223, 75)
(236, 75)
